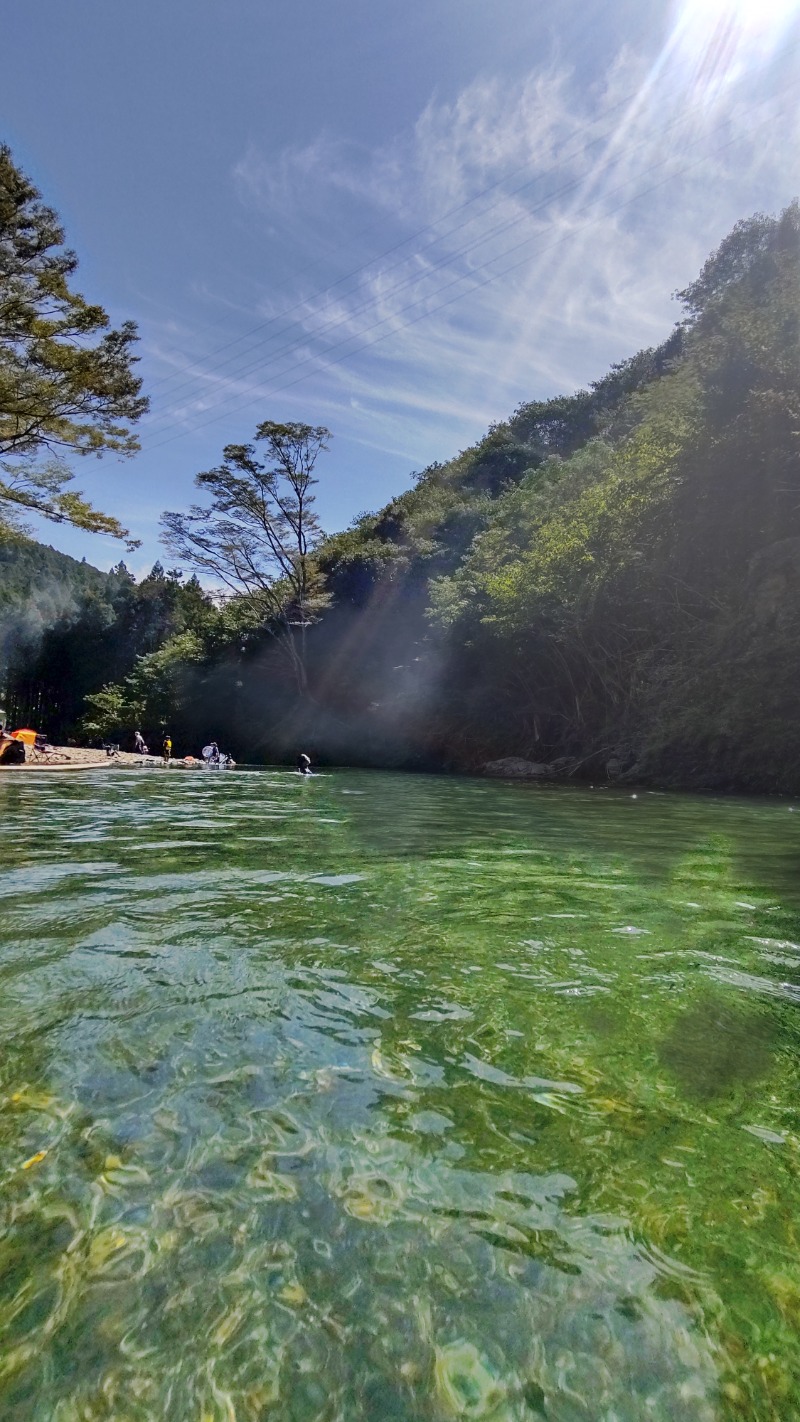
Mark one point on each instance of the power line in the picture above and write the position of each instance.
(298, 342)
(324, 362)
(192, 380)
(429, 227)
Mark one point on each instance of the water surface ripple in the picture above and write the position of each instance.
(379, 1097)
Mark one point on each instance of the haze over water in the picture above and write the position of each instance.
(388, 1097)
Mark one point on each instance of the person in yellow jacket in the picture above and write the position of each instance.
(167, 749)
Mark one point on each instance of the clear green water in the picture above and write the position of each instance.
(386, 1097)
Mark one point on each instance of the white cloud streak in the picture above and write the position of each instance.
(597, 202)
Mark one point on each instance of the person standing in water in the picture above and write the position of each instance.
(303, 764)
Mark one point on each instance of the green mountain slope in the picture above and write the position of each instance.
(607, 582)
(611, 578)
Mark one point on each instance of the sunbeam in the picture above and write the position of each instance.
(720, 39)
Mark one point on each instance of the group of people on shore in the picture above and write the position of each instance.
(140, 748)
(13, 749)
(211, 753)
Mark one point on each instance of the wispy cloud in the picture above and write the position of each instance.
(531, 233)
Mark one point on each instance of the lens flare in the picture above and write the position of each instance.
(720, 39)
(749, 14)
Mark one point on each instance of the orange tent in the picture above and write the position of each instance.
(29, 737)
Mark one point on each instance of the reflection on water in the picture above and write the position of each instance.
(384, 1097)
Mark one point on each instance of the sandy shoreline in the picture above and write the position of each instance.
(75, 757)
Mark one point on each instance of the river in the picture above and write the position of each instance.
(395, 1098)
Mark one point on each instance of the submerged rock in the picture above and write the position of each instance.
(465, 1386)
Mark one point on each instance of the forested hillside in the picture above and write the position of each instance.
(39, 588)
(608, 583)
(34, 577)
(66, 629)
(608, 580)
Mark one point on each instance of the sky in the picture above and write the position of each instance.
(397, 220)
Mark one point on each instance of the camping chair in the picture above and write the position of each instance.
(41, 750)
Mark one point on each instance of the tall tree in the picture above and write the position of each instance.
(258, 537)
(66, 380)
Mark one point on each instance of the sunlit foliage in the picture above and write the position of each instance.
(67, 382)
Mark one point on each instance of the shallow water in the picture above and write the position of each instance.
(390, 1097)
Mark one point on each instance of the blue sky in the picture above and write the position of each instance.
(395, 219)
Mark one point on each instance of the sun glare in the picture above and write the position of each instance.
(720, 39)
(749, 14)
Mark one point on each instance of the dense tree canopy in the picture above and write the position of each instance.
(646, 588)
(69, 632)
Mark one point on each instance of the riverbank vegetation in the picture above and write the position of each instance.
(608, 583)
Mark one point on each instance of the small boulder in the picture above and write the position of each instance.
(513, 767)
